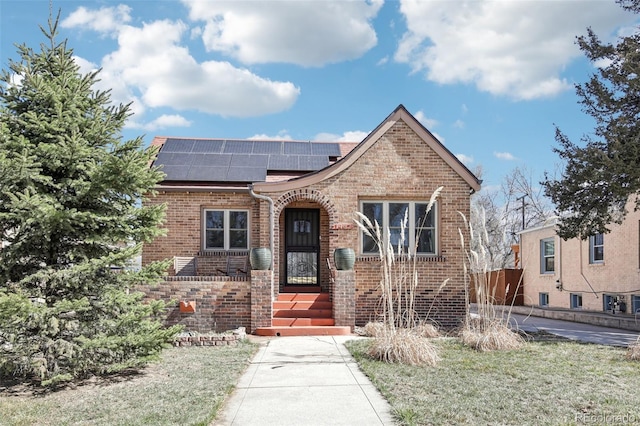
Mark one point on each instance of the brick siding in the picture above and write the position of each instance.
(399, 166)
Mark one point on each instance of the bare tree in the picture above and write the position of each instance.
(500, 214)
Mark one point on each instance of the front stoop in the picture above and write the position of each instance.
(303, 314)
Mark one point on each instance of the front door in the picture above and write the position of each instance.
(302, 246)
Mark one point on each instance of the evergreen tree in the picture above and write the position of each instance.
(71, 210)
(601, 176)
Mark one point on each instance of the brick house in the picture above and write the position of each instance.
(598, 274)
(299, 199)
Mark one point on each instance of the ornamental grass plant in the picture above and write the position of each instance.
(401, 335)
(488, 329)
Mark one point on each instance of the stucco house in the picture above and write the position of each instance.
(299, 198)
(599, 274)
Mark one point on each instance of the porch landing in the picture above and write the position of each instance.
(303, 314)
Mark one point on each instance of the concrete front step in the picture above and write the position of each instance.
(304, 331)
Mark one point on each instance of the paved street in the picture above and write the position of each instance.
(574, 330)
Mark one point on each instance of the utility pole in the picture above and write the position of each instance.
(522, 208)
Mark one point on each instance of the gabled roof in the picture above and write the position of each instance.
(399, 114)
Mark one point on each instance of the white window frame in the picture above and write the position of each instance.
(592, 249)
(226, 230)
(543, 256)
(410, 224)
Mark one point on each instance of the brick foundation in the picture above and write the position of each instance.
(221, 303)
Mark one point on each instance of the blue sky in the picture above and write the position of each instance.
(489, 78)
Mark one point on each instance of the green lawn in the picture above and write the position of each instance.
(546, 383)
(187, 387)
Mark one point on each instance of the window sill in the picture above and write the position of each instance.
(419, 258)
(204, 253)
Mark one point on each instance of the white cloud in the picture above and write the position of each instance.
(298, 32)
(458, 124)
(105, 20)
(510, 48)
(282, 135)
(466, 159)
(162, 122)
(152, 68)
(426, 122)
(382, 61)
(349, 136)
(504, 156)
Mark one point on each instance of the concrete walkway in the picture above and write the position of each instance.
(305, 381)
(575, 330)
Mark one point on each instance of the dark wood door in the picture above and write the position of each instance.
(302, 246)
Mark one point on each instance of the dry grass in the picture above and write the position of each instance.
(403, 346)
(550, 383)
(491, 336)
(489, 331)
(427, 330)
(373, 329)
(401, 336)
(187, 386)
(633, 351)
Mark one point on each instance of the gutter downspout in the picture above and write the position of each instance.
(271, 230)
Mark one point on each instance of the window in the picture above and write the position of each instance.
(576, 300)
(607, 302)
(226, 230)
(596, 248)
(420, 230)
(547, 256)
(543, 299)
(635, 303)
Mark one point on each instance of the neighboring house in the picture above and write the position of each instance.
(600, 273)
(225, 197)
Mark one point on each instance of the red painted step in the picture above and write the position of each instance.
(297, 322)
(293, 304)
(304, 297)
(303, 331)
(303, 314)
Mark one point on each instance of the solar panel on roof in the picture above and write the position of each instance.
(243, 160)
(328, 149)
(267, 147)
(208, 146)
(219, 160)
(246, 174)
(238, 147)
(175, 172)
(177, 145)
(302, 148)
(312, 162)
(283, 162)
(207, 173)
(174, 158)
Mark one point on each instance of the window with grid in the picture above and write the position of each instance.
(596, 248)
(225, 230)
(419, 234)
(547, 256)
